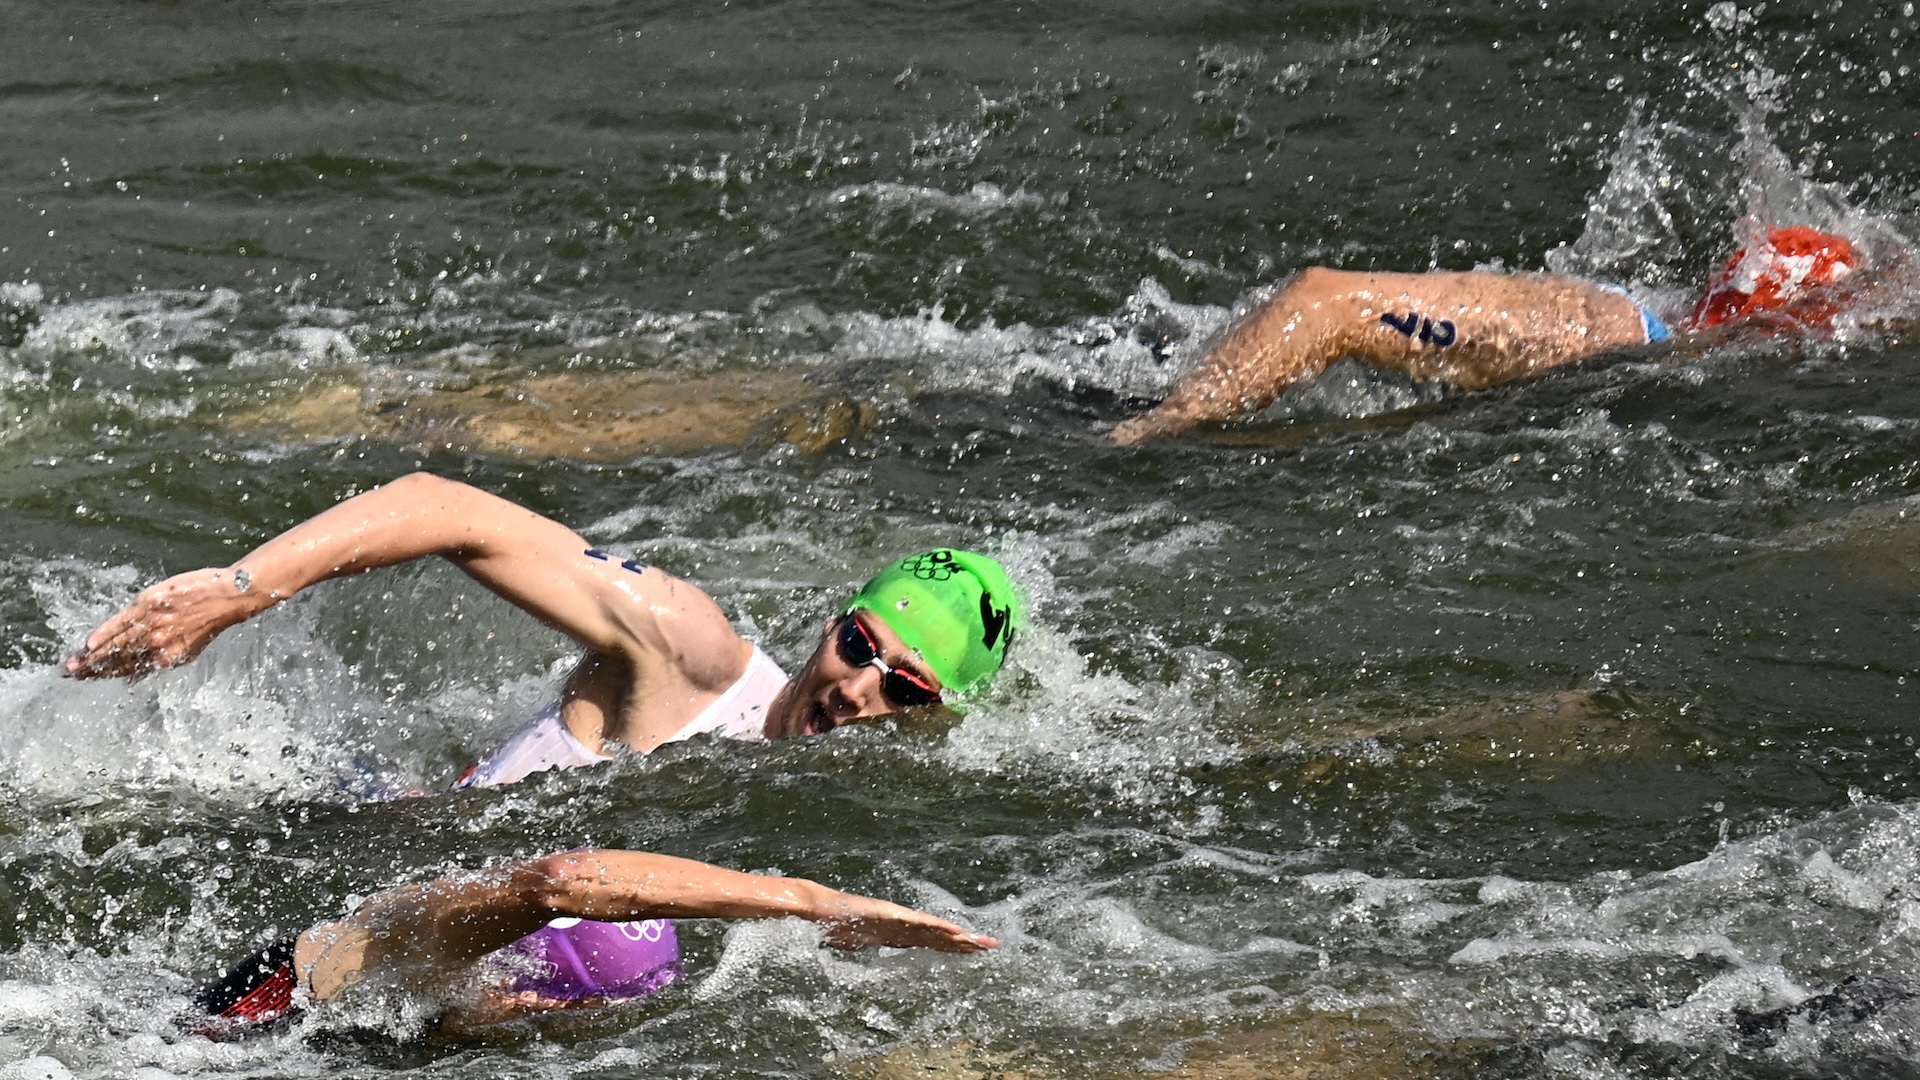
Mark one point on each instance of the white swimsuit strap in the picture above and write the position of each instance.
(740, 712)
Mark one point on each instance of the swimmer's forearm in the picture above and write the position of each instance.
(1230, 381)
(1173, 416)
(1296, 334)
(624, 885)
(410, 518)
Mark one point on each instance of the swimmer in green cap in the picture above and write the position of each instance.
(662, 661)
(927, 627)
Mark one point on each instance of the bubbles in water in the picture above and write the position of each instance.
(154, 330)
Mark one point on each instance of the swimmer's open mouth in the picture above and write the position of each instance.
(818, 722)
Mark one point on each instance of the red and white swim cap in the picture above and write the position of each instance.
(1793, 272)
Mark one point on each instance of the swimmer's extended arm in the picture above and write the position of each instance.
(1473, 330)
(642, 616)
(417, 933)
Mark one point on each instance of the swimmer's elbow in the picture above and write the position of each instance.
(555, 884)
(424, 486)
(593, 884)
(1317, 280)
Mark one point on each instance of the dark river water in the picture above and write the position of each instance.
(1563, 730)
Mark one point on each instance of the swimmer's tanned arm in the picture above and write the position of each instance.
(419, 933)
(1470, 329)
(1478, 329)
(646, 626)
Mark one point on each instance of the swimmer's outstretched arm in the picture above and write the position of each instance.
(668, 628)
(1471, 329)
(419, 933)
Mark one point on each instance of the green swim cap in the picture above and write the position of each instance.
(956, 609)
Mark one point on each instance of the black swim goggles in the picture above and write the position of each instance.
(902, 687)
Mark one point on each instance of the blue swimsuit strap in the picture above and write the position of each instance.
(1656, 329)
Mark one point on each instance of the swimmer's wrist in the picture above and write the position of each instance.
(250, 587)
(815, 902)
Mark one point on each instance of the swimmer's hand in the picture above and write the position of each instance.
(862, 922)
(1170, 417)
(1141, 428)
(168, 624)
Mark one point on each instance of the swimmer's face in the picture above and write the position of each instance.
(832, 690)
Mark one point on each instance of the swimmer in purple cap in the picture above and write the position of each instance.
(486, 942)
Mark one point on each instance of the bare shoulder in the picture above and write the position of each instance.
(681, 623)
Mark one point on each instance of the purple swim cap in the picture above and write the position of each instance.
(570, 959)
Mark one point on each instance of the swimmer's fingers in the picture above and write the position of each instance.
(1151, 425)
(165, 626)
(116, 649)
(877, 922)
(1128, 432)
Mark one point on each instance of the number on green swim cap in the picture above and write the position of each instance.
(955, 608)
